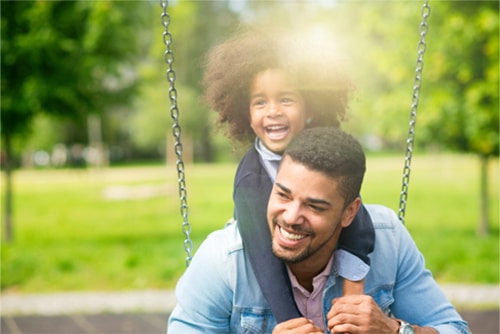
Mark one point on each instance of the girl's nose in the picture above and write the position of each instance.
(273, 110)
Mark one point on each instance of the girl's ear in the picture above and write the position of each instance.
(350, 212)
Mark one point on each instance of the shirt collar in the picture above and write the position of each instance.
(264, 152)
(319, 281)
(270, 160)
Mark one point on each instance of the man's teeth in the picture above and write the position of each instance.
(291, 236)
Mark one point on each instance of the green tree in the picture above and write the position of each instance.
(458, 107)
(195, 26)
(65, 58)
(463, 85)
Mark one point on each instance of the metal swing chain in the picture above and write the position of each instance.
(417, 83)
(176, 130)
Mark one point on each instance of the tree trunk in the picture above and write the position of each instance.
(98, 157)
(206, 142)
(483, 228)
(8, 163)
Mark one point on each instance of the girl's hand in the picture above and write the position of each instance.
(297, 326)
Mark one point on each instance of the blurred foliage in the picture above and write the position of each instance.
(195, 26)
(459, 100)
(75, 58)
(459, 97)
(464, 78)
(85, 54)
(68, 58)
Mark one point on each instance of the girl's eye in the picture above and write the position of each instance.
(286, 100)
(259, 103)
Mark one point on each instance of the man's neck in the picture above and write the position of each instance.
(304, 278)
(305, 273)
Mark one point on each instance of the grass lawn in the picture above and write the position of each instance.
(121, 228)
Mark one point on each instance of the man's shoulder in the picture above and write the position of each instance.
(390, 232)
(227, 238)
(382, 216)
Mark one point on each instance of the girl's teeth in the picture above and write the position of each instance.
(276, 128)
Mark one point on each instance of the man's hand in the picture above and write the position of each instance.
(356, 314)
(297, 326)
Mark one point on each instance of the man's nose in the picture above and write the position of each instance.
(293, 213)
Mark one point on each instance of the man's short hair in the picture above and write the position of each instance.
(334, 153)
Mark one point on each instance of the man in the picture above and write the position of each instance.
(314, 196)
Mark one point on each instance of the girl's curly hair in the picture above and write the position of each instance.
(230, 68)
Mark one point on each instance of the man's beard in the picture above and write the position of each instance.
(292, 258)
(304, 254)
(287, 257)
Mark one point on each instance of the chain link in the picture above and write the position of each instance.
(417, 83)
(176, 130)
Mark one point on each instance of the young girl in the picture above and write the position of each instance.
(266, 88)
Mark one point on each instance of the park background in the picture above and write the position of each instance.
(90, 189)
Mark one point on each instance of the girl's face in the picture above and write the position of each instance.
(277, 110)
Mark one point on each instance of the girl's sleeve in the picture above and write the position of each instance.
(359, 238)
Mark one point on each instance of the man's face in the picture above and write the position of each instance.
(306, 214)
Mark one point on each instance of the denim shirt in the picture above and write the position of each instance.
(219, 293)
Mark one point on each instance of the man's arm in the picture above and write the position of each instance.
(415, 297)
(418, 299)
(203, 293)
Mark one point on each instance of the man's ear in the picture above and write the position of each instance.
(350, 212)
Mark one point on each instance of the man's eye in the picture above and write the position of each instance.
(281, 194)
(316, 208)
